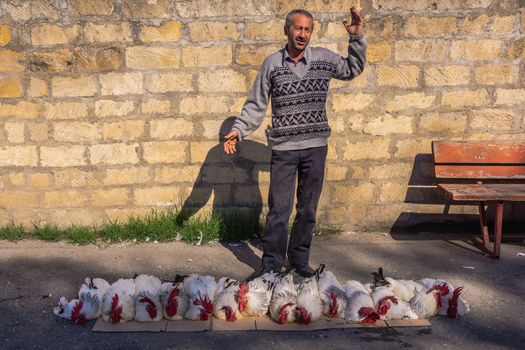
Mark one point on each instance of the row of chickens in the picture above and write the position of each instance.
(146, 298)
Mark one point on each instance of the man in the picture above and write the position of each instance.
(296, 77)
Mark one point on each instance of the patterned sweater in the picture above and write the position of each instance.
(298, 96)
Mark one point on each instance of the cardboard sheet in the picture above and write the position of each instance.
(408, 323)
(188, 326)
(131, 326)
(244, 324)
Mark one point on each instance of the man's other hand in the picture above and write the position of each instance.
(356, 27)
(230, 142)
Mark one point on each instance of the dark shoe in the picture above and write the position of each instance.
(257, 273)
(304, 271)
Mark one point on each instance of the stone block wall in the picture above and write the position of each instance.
(110, 108)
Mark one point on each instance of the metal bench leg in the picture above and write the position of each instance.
(498, 225)
(483, 224)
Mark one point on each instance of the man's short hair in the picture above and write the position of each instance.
(301, 12)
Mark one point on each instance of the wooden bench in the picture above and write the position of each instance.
(487, 171)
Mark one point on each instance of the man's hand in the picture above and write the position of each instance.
(356, 27)
(230, 142)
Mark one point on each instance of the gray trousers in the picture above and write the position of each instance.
(308, 165)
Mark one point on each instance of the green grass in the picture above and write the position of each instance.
(80, 234)
(12, 232)
(48, 232)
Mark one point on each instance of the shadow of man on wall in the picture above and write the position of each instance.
(232, 181)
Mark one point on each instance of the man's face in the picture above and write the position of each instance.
(299, 32)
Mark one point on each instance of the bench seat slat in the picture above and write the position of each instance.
(484, 192)
(485, 171)
(479, 152)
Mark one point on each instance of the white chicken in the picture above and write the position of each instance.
(284, 299)
(200, 291)
(402, 289)
(452, 305)
(147, 299)
(254, 296)
(118, 304)
(360, 306)
(225, 302)
(309, 306)
(427, 303)
(65, 309)
(332, 294)
(174, 300)
(389, 306)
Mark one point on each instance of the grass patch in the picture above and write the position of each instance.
(80, 234)
(12, 232)
(48, 232)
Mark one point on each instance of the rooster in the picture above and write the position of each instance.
(427, 303)
(66, 309)
(360, 306)
(147, 299)
(173, 299)
(254, 296)
(389, 306)
(225, 303)
(402, 289)
(452, 304)
(200, 290)
(309, 305)
(332, 294)
(118, 303)
(284, 299)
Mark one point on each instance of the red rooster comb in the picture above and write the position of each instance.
(333, 305)
(304, 316)
(368, 315)
(151, 308)
(172, 304)
(283, 313)
(230, 315)
(442, 289)
(76, 313)
(116, 310)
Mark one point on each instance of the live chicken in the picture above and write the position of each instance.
(284, 299)
(118, 303)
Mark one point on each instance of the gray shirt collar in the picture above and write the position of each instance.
(305, 59)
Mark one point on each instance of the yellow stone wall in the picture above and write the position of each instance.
(110, 108)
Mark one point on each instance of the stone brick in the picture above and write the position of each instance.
(221, 80)
(226, 8)
(142, 57)
(167, 175)
(107, 33)
(202, 104)
(254, 55)
(393, 192)
(243, 195)
(388, 124)
(76, 132)
(169, 31)
(165, 129)
(378, 52)
(11, 87)
(411, 5)
(64, 199)
(39, 180)
(120, 83)
(284, 6)
(73, 87)
(217, 174)
(475, 50)
(154, 106)
(354, 193)
(80, 217)
(493, 119)
(17, 179)
(415, 100)
(510, 96)
(65, 110)
(98, 59)
(269, 30)
(335, 172)
(37, 88)
(22, 109)
(62, 156)
(496, 74)
(373, 148)
(125, 130)
(465, 98)
(213, 56)
(451, 122)
(52, 61)
(146, 9)
(38, 132)
(351, 102)
(15, 132)
(124, 214)
(213, 31)
(483, 24)
(411, 147)
(429, 50)
(80, 8)
(109, 197)
(18, 156)
(165, 152)
(452, 75)
(75, 178)
(516, 49)
(35, 9)
(397, 171)
(418, 26)
(18, 199)
(127, 176)
(212, 128)
(114, 153)
(169, 82)
(108, 108)
(50, 34)
(199, 152)
(5, 34)
(404, 76)
(158, 196)
(11, 61)
(333, 30)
